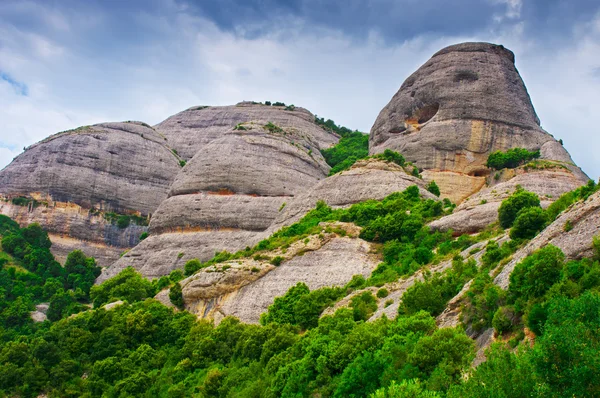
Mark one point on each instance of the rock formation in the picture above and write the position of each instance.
(467, 101)
(231, 191)
(190, 130)
(76, 175)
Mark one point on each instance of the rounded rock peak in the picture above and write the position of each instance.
(469, 47)
(466, 101)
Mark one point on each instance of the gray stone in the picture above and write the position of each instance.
(467, 101)
(189, 131)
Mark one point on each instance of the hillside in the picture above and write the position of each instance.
(258, 250)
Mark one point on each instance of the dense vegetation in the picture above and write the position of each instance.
(142, 348)
(510, 159)
(350, 148)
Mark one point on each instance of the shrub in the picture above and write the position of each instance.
(123, 221)
(192, 266)
(349, 149)
(382, 293)
(392, 156)
(277, 260)
(182, 163)
(533, 276)
(510, 159)
(363, 306)
(501, 321)
(568, 226)
(433, 188)
(143, 236)
(520, 199)
(272, 128)
(176, 296)
(528, 223)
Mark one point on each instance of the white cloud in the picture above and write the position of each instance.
(190, 61)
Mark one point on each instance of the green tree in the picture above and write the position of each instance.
(528, 223)
(520, 199)
(176, 296)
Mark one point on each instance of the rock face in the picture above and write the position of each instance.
(245, 288)
(116, 167)
(121, 167)
(367, 179)
(584, 217)
(467, 101)
(481, 209)
(229, 193)
(190, 130)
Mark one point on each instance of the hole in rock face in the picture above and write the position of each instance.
(425, 113)
(466, 75)
(480, 173)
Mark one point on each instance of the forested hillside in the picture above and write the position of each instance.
(547, 321)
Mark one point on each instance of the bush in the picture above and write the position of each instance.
(533, 276)
(392, 156)
(501, 321)
(348, 150)
(382, 293)
(363, 306)
(529, 222)
(176, 296)
(276, 261)
(520, 199)
(192, 266)
(123, 221)
(126, 285)
(510, 159)
(143, 236)
(433, 188)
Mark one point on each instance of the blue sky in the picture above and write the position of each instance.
(68, 63)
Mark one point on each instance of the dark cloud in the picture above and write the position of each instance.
(395, 20)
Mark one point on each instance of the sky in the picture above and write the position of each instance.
(67, 63)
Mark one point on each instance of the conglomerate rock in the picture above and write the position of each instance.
(467, 101)
(227, 195)
(189, 131)
(481, 209)
(109, 167)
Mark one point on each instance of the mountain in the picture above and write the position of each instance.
(462, 223)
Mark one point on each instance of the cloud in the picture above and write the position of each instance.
(19, 87)
(85, 63)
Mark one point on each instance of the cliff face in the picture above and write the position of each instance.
(233, 188)
(76, 176)
(467, 101)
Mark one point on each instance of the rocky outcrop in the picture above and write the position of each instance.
(576, 242)
(467, 101)
(76, 175)
(245, 288)
(227, 195)
(120, 167)
(191, 130)
(367, 179)
(481, 209)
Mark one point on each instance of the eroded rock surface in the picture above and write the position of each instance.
(367, 179)
(467, 101)
(245, 288)
(584, 217)
(227, 195)
(481, 209)
(189, 131)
